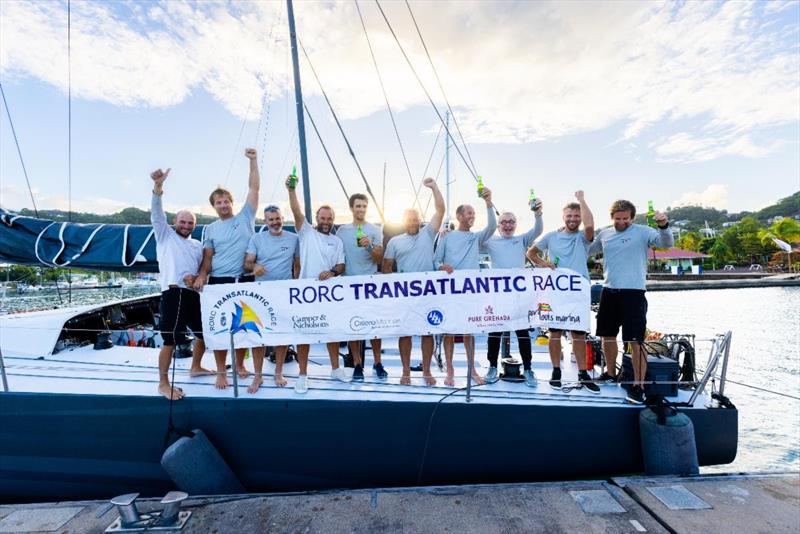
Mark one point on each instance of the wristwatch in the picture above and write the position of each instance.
(370, 247)
(664, 227)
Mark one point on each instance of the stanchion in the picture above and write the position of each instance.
(3, 372)
(234, 369)
(470, 363)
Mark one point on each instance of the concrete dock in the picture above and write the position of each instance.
(726, 504)
(686, 282)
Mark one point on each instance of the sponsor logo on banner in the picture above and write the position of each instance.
(358, 324)
(435, 317)
(310, 322)
(544, 312)
(489, 318)
(251, 313)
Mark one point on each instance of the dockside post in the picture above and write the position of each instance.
(3, 372)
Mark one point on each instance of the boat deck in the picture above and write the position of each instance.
(123, 370)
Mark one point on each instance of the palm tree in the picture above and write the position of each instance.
(786, 230)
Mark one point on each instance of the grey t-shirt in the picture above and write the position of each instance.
(228, 239)
(356, 259)
(571, 249)
(625, 254)
(509, 252)
(276, 253)
(412, 253)
(461, 250)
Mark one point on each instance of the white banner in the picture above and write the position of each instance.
(376, 306)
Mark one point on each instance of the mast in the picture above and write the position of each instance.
(447, 167)
(301, 125)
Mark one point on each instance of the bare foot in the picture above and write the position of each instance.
(173, 393)
(478, 379)
(405, 380)
(280, 381)
(257, 381)
(429, 380)
(222, 381)
(449, 380)
(199, 371)
(243, 372)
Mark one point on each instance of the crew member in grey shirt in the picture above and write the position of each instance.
(179, 258)
(412, 252)
(625, 247)
(271, 255)
(363, 253)
(224, 246)
(507, 251)
(568, 247)
(458, 250)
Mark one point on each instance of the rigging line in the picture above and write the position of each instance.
(19, 152)
(427, 94)
(438, 174)
(238, 140)
(341, 130)
(441, 87)
(427, 165)
(69, 129)
(324, 148)
(278, 179)
(388, 106)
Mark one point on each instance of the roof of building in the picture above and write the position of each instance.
(676, 253)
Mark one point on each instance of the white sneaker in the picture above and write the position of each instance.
(341, 375)
(301, 386)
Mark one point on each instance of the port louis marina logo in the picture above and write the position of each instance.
(241, 311)
(488, 318)
(544, 313)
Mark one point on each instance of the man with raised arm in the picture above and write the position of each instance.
(224, 247)
(625, 246)
(507, 251)
(568, 247)
(179, 257)
(458, 250)
(271, 255)
(321, 258)
(363, 253)
(412, 252)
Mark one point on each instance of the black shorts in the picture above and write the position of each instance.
(622, 307)
(180, 309)
(573, 332)
(230, 279)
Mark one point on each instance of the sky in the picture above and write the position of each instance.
(675, 102)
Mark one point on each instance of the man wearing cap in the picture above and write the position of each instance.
(224, 247)
(178, 262)
(507, 251)
(271, 255)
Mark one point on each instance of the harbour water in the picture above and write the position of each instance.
(764, 369)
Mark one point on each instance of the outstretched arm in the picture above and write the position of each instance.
(586, 217)
(491, 226)
(294, 204)
(438, 203)
(254, 181)
(157, 216)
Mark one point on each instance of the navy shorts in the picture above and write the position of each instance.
(180, 310)
(626, 308)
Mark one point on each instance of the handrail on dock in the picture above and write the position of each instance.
(720, 349)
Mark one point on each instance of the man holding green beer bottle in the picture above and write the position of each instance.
(363, 253)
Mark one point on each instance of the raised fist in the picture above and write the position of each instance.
(579, 195)
(429, 182)
(660, 218)
(250, 153)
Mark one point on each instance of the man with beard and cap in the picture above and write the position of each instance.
(179, 259)
(363, 253)
(568, 247)
(507, 251)
(271, 255)
(625, 246)
(412, 252)
(321, 258)
(224, 246)
(458, 250)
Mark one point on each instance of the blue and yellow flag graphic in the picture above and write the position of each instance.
(245, 319)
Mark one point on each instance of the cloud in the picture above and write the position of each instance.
(714, 196)
(704, 78)
(14, 198)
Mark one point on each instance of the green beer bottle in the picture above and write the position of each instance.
(359, 235)
(651, 214)
(293, 177)
(532, 199)
(555, 262)
(480, 186)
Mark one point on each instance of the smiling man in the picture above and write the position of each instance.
(179, 259)
(224, 247)
(507, 251)
(271, 255)
(623, 303)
